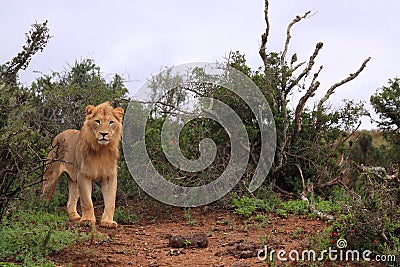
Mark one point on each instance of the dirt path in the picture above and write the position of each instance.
(232, 240)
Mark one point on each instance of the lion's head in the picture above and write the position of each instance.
(104, 124)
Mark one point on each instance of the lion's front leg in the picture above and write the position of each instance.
(109, 189)
(85, 193)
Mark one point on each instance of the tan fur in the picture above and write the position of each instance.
(87, 155)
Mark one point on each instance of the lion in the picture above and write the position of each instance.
(87, 155)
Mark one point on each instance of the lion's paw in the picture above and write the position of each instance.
(109, 224)
(75, 218)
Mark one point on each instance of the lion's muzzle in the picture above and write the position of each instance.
(104, 140)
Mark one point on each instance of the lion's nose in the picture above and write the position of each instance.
(103, 134)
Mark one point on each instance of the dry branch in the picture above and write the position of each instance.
(307, 70)
(264, 37)
(288, 36)
(303, 196)
(300, 106)
(331, 90)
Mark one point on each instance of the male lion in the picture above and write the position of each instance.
(85, 156)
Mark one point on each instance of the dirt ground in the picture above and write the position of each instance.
(231, 240)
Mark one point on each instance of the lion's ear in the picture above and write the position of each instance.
(118, 113)
(90, 110)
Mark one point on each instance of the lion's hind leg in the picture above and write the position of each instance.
(73, 196)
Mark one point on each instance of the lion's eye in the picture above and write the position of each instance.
(111, 122)
(97, 121)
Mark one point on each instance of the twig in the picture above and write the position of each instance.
(303, 196)
(354, 131)
(282, 191)
(307, 70)
(300, 106)
(302, 178)
(264, 37)
(297, 66)
(288, 36)
(352, 76)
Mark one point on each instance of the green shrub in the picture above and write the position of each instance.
(124, 215)
(297, 207)
(281, 212)
(246, 206)
(326, 206)
(29, 236)
(369, 215)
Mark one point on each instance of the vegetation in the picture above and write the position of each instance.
(20, 143)
(30, 118)
(386, 103)
(323, 165)
(29, 236)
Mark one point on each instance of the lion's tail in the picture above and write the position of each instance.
(50, 181)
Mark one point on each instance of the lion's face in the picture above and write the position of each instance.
(104, 122)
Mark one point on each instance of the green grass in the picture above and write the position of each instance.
(296, 207)
(247, 207)
(188, 217)
(124, 215)
(29, 236)
(327, 206)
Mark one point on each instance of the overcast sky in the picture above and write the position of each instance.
(137, 38)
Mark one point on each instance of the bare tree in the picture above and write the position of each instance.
(294, 75)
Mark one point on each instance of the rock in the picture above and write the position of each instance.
(241, 250)
(197, 240)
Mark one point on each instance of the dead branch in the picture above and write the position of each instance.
(350, 135)
(380, 172)
(264, 37)
(352, 76)
(284, 192)
(288, 37)
(334, 181)
(300, 106)
(303, 196)
(315, 211)
(297, 66)
(383, 235)
(302, 178)
(307, 70)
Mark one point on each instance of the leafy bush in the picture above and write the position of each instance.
(21, 145)
(246, 206)
(124, 215)
(29, 236)
(297, 207)
(369, 214)
(327, 206)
